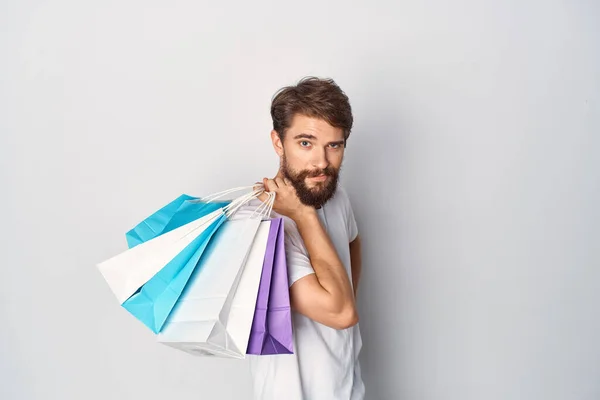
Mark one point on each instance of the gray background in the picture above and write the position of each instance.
(473, 169)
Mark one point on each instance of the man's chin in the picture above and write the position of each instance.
(320, 188)
(317, 185)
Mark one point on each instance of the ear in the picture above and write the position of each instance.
(277, 143)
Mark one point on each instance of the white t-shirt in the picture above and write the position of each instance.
(325, 363)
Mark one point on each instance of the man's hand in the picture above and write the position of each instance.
(286, 200)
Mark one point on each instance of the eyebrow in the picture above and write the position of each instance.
(313, 137)
(305, 136)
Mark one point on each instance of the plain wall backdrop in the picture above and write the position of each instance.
(473, 168)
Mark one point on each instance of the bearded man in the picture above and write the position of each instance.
(312, 121)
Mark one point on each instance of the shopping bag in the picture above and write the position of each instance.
(165, 263)
(177, 213)
(214, 314)
(241, 314)
(125, 273)
(153, 303)
(272, 325)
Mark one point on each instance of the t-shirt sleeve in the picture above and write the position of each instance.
(298, 262)
(350, 220)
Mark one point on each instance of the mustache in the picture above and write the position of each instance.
(313, 174)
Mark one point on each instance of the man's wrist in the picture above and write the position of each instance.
(304, 213)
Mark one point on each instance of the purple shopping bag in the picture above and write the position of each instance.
(272, 325)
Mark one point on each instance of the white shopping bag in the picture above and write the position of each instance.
(127, 272)
(214, 314)
(241, 313)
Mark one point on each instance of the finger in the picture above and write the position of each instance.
(258, 185)
(266, 184)
(280, 182)
(264, 196)
(274, 184)
(270, 185)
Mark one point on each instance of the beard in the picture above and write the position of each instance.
(314, 196)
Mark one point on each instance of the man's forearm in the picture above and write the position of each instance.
(324, 259)
(356, 263)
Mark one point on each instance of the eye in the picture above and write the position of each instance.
(304, 143)
(335, 145)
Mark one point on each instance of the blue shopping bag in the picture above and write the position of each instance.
(164, 250)
(179, 212)
(153, 302)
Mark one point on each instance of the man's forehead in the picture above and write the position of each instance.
(316, 127)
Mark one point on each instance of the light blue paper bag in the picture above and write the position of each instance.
(149, 286)
(154, 301)
(177, 213)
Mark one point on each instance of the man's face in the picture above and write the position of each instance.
(311, 157)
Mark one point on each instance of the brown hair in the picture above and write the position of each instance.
(315, 98)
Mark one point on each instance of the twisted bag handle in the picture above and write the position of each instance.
(214, 196)
(263, 211)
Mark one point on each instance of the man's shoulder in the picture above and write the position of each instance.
(340, 198)
(340, 191)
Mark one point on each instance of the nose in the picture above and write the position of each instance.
(320, 159)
